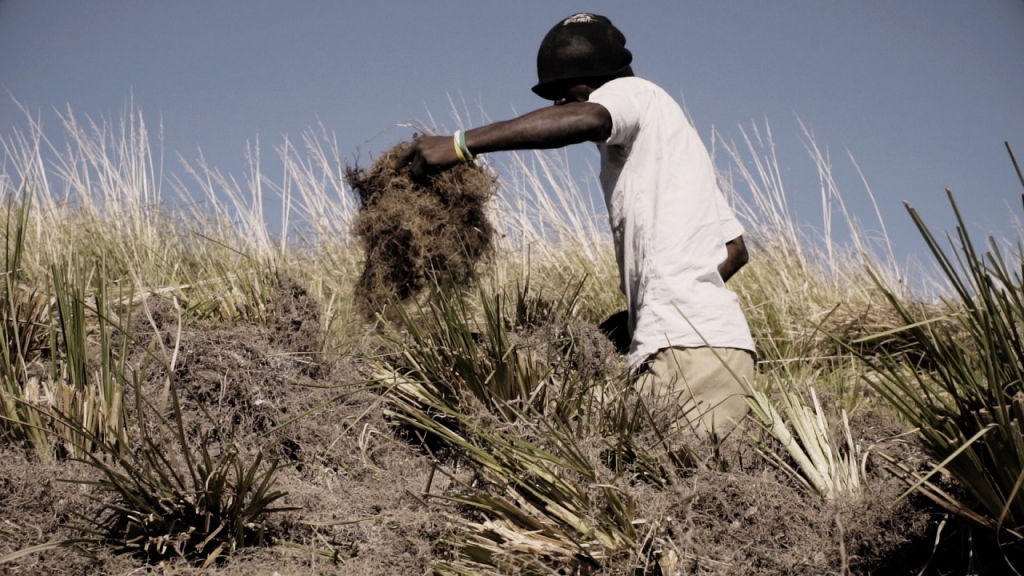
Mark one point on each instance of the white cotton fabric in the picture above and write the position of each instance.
(670, 222)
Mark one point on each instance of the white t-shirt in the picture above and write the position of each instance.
(670, 223)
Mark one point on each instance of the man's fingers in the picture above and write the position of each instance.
(419, 169)
(406, 157)
(414, 158)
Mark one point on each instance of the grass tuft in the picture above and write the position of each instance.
(968, 403)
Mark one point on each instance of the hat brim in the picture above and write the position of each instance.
(553, 88)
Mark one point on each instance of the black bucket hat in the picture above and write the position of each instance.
(580, 46)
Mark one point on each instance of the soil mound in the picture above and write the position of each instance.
(415, 234)
(253, 377)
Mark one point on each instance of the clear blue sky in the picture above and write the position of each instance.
(922, 92)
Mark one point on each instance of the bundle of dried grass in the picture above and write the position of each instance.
(417, 234)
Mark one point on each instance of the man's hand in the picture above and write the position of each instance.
(736, 258)
(616, 328)
(427, 155)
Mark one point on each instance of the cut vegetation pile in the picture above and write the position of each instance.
(418, 234)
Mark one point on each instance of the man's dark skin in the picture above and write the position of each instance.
(572, 120)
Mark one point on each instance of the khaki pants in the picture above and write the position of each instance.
(702, 383)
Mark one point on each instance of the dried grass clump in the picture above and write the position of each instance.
(418, 234)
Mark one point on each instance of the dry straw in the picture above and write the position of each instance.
(418, 234)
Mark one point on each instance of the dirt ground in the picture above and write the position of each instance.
(359, 482)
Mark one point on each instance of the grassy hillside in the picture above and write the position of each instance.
(188, 387)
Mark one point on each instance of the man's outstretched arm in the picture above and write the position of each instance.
(735, 258)
(551, 127)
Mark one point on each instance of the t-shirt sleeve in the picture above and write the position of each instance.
(731, 227)
(625, 107)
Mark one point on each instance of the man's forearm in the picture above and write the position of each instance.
(552, 127)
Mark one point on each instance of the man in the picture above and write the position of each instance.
(676, 239)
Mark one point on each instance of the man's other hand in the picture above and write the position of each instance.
(428, 155)
(616, 328)
(736, 258)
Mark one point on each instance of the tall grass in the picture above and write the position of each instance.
(106, 227)
(173, 496)
(23, 314)
(205, 236)
(801, 286)
(967, 403)
(526, 417)
(89, 235)
(103, 195)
